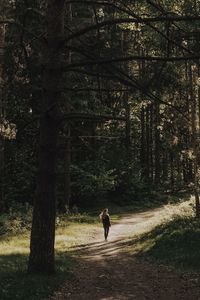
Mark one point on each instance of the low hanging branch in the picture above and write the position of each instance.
(133, 84)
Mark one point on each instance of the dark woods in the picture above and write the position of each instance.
(98, 99)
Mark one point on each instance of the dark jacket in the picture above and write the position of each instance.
(106, 220)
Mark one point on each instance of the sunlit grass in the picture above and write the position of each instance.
(14, 250)
(175, 241)
(72, 231)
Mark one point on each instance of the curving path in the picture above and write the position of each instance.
(107, 271)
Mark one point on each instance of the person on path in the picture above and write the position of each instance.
(104, 216)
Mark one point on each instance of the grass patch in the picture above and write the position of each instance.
(166, 242)
(18, 219)
(175, 243)
(17, 284)
(14, 250)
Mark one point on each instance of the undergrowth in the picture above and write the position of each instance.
(174, 243)
(19, 217)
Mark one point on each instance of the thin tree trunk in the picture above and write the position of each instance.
(164, 167)
(67, 170)
(172, 170)
(198, 91)
(151, 163)
(142, 145)
(41, 257)
(128, 128)
(194, 142)
(157, 144)
(184, 170)
(147, 168)
(2, 115)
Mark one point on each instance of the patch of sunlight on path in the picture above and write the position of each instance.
(107, 271)
(143, 222)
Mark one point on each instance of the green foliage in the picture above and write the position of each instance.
(130, 188)
(100, 168)
(17, 220)
(61, 220)
(91, 181)
(176, 243)
(17, 284)
(20, 172)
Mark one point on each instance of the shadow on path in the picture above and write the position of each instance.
(107, 270)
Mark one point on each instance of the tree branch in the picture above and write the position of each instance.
(132, 20)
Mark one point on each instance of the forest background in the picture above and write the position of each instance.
(99, 106)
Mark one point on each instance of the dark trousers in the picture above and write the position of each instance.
(106, 231)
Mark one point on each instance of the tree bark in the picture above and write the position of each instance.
(157, 144)
(67, 179)
(147, 167)
(151, 161)
(143, 144)
(172, 180)
(41, 257)
(164, 167)
(2, 113)
(128, 128)
(67, 170)
(194, 142)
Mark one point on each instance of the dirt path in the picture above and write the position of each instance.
(107, 271)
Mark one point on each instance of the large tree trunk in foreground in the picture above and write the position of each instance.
(1, 117)
(43, 227)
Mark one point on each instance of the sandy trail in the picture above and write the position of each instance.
(106, 270)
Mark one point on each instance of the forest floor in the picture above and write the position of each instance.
(112, 271)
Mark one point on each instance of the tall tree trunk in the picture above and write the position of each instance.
(67, 170)
(184, 170)
(2, 113)
(172, 170)
(41, 257)
(164, 167)
(198, 95)
(194, 141)
(147, 167)
(67, 179)
(128, 128)
(157, 144)
(142, 145)
(151, 163)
